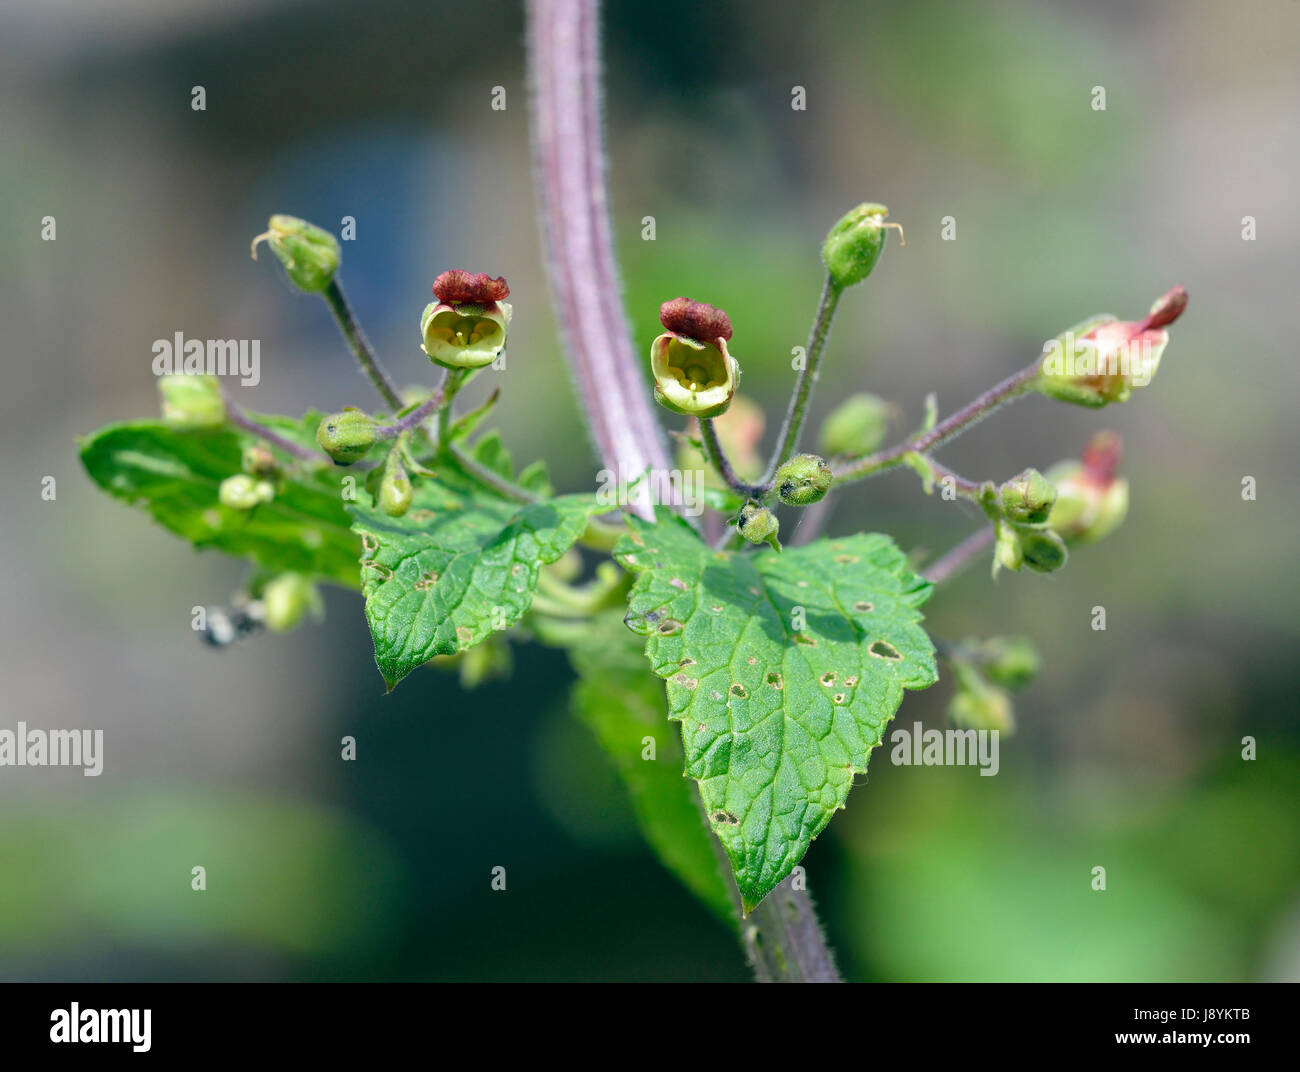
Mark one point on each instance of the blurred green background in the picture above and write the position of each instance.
(1128, 754)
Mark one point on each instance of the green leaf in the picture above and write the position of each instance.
(461, 564)
(783, 669)
(174, 475)
(623, 705)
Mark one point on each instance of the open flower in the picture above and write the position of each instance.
(466, 327)
(694, 374)
(1101, 360)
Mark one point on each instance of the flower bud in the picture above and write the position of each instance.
(1091, 500)
(855, 243)
(1008, 661)
(803, 480)
(243, 492)
(309, 254)
(346, 436)
(191, 402)
(856, 426)
(466, 327)
(1041, 549)
(259, 461)
(758, 524)
(694, 374)
(395, 492)
(1027, 498)
(977, 704)
(286, 599)
(1101, 360)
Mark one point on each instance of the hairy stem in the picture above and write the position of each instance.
(784, 939)
(721, 463)
(960, 556)
(360, 345)
(1012, 387)
(788, 441)
(240, 419)
(437, 402)
(564, 47)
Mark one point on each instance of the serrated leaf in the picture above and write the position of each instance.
(461, 564)
(783, 669)
(623, 705)
(175, 476)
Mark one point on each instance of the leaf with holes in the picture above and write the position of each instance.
(175, 476)
(783, 669)
(461, 564)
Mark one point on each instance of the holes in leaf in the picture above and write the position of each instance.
(669, 627)
(739, 690)
(883, 649)
(828, 678)
(775, 680)
(862, 606)
(725, 817)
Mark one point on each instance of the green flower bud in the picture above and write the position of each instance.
(803, 480)
(464, 335)
(191, 402)
(855, 243)
(858, 425)
(693, 377)
(286, 599)
(977, 704)
(1044, 551)
(309, 254)
(259, 461)
(758, 524)
(1041, 549)
(395, 492)
(1027, 498)
(1009, 661)
(346, 436)
(243, 492)
(1091, 500)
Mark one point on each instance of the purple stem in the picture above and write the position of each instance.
(565, 48)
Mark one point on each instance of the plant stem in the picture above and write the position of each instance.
(241, 419)
(869, 465)
(722, 464)
(564, 47)
(784, 939)
(960, 556)
(565, 59)
(452, 384)
(788, 442)
(360, 345)
(438, 402)
(494, 480)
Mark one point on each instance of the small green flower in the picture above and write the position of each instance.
(856, 426)
(464, 335)
(1028, 497)
(309, 254)
(1008, 661)
(855, 244)
(803, 480)
(694, 374)
(346, 436)
(286, 600)
(192, 402)
(395, 491)
(243, 492)
(977, 704)
(758, 524)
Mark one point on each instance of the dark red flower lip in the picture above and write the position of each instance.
(458, 286)
(695, 320)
